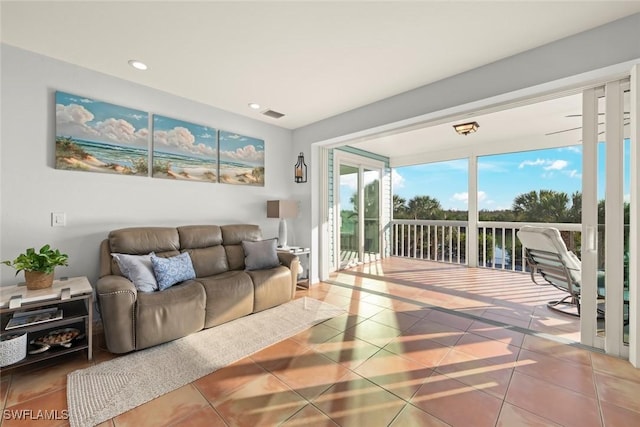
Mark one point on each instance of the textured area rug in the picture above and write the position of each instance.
(108, 389)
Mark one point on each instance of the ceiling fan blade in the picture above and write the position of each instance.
(561, 131)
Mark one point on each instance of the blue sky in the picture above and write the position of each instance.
(93, 120)
(177, 136)
(501, 177)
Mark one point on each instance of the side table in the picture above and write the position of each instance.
(303, 254)
(74, 296)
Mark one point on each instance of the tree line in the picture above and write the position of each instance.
(534, 206)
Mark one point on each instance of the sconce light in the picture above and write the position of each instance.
(300, 170)
(466, 128)
(282, 209)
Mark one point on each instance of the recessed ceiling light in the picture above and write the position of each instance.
(254, 106)
(138, 65)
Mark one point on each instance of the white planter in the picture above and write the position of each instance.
(13, 348)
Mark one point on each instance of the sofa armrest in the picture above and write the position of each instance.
(117, 299)
(293, 263)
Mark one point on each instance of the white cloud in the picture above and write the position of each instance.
(181, 138)
(72, 120)
(572, 148)
(397, 179)
(573, 173)
(536, 162)
(246, 154)
(556, 165)
(464, 196)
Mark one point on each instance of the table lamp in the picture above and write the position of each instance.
(282, 209)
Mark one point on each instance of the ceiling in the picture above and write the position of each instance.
(308, 60)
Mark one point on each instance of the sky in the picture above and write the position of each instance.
(92, 120)
(177, 136)
(501, 177)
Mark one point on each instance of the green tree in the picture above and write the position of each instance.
(541, 206)
(424, 207)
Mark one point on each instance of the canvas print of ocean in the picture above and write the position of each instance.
(241, 159)
(183, 150)
(96, 136)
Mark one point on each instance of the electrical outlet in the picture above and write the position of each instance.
(58, 219)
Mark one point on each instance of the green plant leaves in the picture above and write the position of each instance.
(45, 260)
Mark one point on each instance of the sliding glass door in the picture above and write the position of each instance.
(357, 210)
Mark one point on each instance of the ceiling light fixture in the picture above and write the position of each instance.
(254, 106)
(138, 65)
(466, 128)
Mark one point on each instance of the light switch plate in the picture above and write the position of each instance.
(58, 219)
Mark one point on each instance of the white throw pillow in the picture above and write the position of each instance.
(139, 270)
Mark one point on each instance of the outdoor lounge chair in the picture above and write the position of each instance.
(547, 255)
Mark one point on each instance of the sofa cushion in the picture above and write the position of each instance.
(168, 315)
(209, 261)
(169, 271)
(234, 234)
(229, 296)
(144, 240)
(271, 287)
(199, 236)
(139, 270)
(260, 255)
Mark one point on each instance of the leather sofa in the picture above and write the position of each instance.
(221, 291)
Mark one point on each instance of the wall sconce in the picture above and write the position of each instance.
(466, 128)
(300, 170)
(282, 209)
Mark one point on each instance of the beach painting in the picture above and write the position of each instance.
(96, 136)
(241, 159)
(184, 151)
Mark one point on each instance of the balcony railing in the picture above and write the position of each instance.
(445, 241)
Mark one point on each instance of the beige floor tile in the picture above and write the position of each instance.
(373, 332)
(616, 416)
(357, 402)
(224, 381)
(457, 403)
(310, 373)
(487, 349)
(557, 350)
(511, 416)
(394, 319)
(205, 417)
(394, 373)
(498, 333)
(427, 329)
(558, 404)
(165, 410)
(347, 350)
(428, 353)
(27, 414)
(489, 376)
(618, 391)
(309, 416)
(569, 375)
(279, 355)
(265, 401)
(412, 416)
(316, 334)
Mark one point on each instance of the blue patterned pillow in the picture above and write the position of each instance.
(170, 271)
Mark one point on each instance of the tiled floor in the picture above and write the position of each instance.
(396, 359)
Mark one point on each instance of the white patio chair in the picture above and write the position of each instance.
(547, 255)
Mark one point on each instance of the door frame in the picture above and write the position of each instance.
(361, 162)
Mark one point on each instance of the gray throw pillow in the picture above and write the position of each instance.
(138, 269)
(260, 255)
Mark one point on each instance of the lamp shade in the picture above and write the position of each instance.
(282, 209)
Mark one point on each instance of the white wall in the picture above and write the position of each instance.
(31, 188)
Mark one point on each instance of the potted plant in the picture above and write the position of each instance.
(38, 266)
